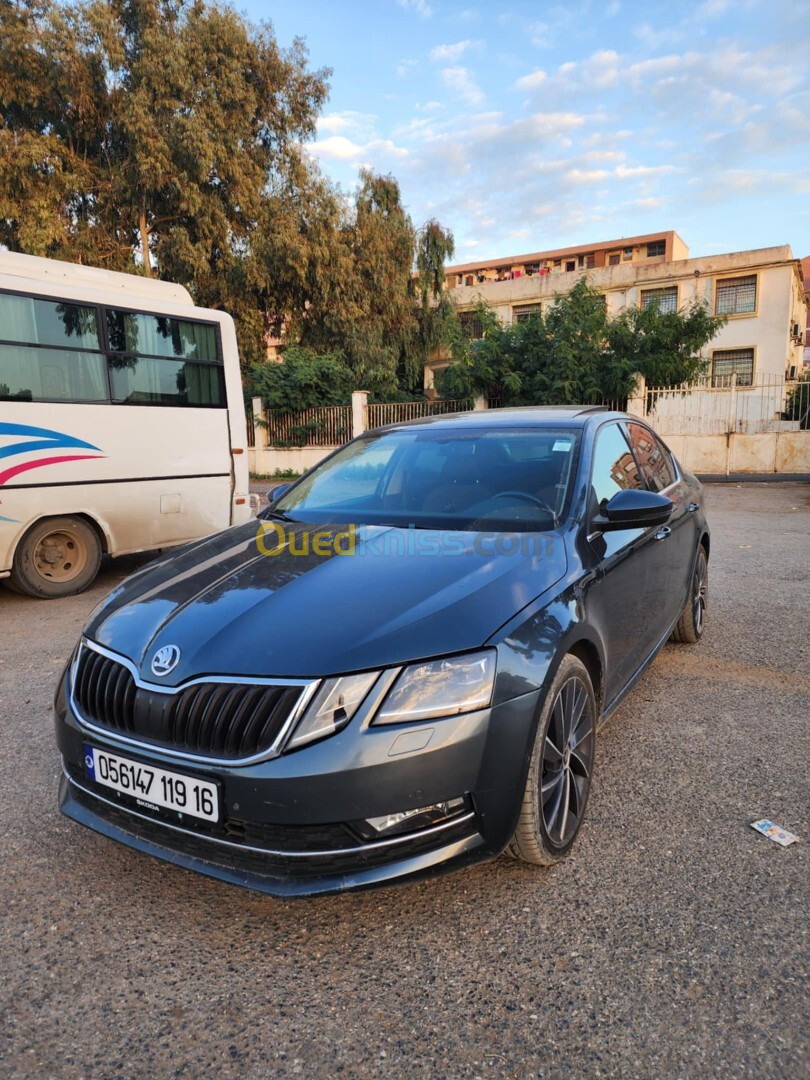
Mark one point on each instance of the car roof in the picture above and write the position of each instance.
(528, 416)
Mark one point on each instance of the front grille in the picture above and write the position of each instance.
(213, 719)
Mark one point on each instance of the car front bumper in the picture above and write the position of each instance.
(285, 826)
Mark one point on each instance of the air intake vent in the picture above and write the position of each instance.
(211, 719)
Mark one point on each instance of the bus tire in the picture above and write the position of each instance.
(58, 556)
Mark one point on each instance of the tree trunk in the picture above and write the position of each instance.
(144, 231)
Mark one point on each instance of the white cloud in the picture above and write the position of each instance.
(585, 176)
(406, 66)
(459, 80)
(541, 35)
(712, 9)
(421, 7)
(531, 81)
(653, 38)
(635, 171)
(341, 148)
(451, 54)
(347, 122)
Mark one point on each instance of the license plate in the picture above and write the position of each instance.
(151, 787)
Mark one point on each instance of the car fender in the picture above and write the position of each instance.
(532, 644)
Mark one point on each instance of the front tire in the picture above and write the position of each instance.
(560, 770)
(690, 626)
(58, 556)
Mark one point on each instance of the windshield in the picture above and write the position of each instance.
(437, 478)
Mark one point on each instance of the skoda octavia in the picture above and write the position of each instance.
(400, 667)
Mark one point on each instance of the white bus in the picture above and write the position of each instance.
(122, 423)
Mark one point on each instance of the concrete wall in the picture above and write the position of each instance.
(766, 452)
(763, 453)
(266, 461)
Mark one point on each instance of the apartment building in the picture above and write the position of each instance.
(761, 291)
(645, 250)
(806, 275)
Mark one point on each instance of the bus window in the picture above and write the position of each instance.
(159, 335)
(49, 351)
(145, 380)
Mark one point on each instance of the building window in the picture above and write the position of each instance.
(613, 260)
(656, 249)
(627, 254)
(666, 298)
(526, 311)
(571, 265)
(471, 326)
(728, 362)
(590, 262)
(736, 296)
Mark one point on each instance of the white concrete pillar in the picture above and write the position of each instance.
(259, 428)
(637, 402)
(359, 412)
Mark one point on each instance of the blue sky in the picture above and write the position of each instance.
(526, 126)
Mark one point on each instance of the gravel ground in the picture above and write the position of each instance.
(670, 944)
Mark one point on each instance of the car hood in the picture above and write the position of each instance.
(402, 595)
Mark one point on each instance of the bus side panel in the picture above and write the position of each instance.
(149, 476)
(236, 419)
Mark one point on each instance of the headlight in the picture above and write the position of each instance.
(332, 708)
(458, 684)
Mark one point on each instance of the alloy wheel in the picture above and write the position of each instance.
(699, 591)
(568, 751)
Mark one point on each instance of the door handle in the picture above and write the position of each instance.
(663, 532)
(692, 507)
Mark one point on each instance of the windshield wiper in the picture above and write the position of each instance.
(279, 515)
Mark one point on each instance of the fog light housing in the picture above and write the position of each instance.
(407, 821)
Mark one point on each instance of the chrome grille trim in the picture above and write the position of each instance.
(111, 735)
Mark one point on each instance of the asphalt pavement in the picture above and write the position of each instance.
(672, 943)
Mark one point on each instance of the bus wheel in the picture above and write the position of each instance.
(57, 557)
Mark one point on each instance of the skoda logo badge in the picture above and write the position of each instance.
(165, 660)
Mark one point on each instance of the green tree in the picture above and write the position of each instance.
(374, 293)
(304, 380)
(574, 352)
(797, 402)
(164, 135)
(366, 309)
(435, 315)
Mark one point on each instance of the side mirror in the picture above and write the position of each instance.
(277, 492)
(634, 509)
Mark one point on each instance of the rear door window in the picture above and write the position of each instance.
(652, 456)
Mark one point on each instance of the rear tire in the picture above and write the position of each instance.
(693, 617)
(560, 770)
(58, 556)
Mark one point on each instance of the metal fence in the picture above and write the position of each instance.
(327, 425)
(768, 403)
(395, 413)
